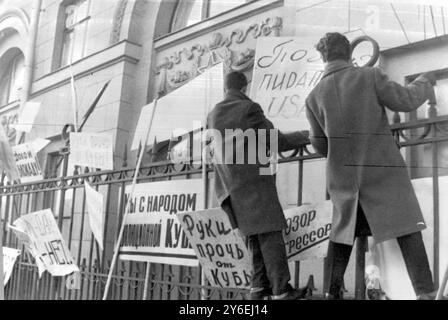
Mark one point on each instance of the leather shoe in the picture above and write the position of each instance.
(293, 294)
(264, 294)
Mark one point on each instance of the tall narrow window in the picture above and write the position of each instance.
(11, 79)
(75, 31)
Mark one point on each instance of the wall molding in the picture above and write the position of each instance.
(123, 51)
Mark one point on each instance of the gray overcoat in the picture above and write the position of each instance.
(349, 126)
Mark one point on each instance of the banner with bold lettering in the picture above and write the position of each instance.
(42, 238)
(9, 259)
(221, 251)
(94, 204)
(286, 69)
(94, 150)
(152, 232)
(27, 163)
(308, 231)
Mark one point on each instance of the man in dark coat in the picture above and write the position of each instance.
(245, 190)
(367, 177)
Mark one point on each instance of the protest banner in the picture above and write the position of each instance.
(94, 150)
(27, 116)
(286, 69)
(7, 162)
(183, 109)
(27, 163)
(42, 238)
(221, 251)
(94, 203)
(387, 256)
(308, 230)
(152, 232)
(9, 259)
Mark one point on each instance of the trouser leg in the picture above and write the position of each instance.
(416, 260)
(338, 257)
(275, 261)
(259, 277)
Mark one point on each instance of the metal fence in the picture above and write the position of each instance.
(65, 196)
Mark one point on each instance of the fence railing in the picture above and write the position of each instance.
(65, 196)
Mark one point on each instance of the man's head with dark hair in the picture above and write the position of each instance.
(236, 80)
(334, 46)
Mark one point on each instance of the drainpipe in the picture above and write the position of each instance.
(30, 54)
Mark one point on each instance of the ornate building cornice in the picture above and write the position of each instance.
(218, 49)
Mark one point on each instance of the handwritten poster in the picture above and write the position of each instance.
(221, 251)
(94, 203)
(9, 259)
(27, 163)
(308, 230)
(94, 150)
(42, 238)
(285, 71)
(152, 232)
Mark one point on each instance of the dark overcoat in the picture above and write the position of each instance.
(249, 197)
(349, 126)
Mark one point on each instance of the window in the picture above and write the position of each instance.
(12, 79)
(75, 31)
(189, 12)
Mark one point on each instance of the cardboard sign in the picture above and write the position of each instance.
(387, 257)
(221, 251)
(286, 69)
(41, 235)
(308, 231)
(183, 109)
(94, 150)
(94, 203)
(27, 163)
(152, 232)
(27, 116)
(9, 259)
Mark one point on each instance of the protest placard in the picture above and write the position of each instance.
(308, 230)
(152, 232)
(44, 241)
(9, 259)
(286, 69)
(7, 162)
(94, 203)
(27, 163)
(221, 251)
(94, 150)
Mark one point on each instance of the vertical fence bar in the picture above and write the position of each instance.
(360, 284)
(299, 203)
(435, 184)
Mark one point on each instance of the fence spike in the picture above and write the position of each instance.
(125, 156)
